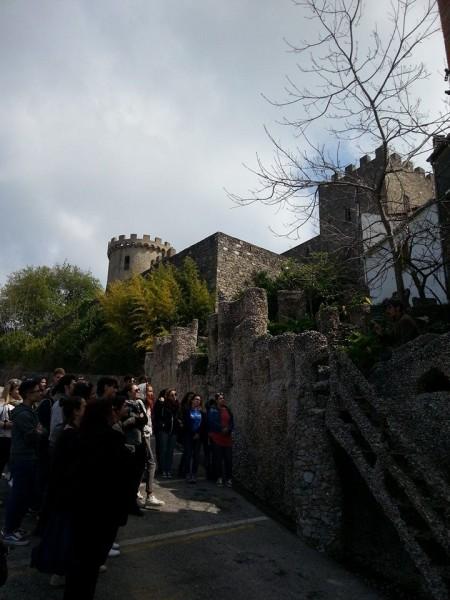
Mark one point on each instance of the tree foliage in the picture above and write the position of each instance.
(321, 278)
(35, 299)
(74, 323)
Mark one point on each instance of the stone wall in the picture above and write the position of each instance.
(282, 452)
(282, 390)
(227, 264)
(238, 261)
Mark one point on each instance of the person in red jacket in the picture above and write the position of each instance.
(220, 429)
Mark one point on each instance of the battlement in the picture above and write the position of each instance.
(368, 166)
(133, 241)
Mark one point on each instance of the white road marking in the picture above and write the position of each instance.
(180, 533)
(185, 532)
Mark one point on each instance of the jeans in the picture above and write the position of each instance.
(222, 458)
(192, 449)
(166, 445)
(23, 494)
(150, 466)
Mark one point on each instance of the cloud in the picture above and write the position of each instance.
(132, 118)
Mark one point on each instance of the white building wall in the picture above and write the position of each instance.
(426, 252)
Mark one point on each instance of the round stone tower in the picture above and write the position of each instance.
(128, 256)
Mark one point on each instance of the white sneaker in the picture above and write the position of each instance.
(152, 500)
(219, 482)
(113, 553)
(139, 495)
(57, 580)
(115, 546)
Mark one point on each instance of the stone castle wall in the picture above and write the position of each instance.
(227, 264)
(343, 199)
(282, 452)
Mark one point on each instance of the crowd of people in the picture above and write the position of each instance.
(66, 445)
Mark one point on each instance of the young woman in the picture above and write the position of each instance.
(166, 421)
(150, 463)
(220, 428)
(10, 394)
(194, 419)
(53, 554)
(103, 466)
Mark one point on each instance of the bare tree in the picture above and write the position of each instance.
(364, 95)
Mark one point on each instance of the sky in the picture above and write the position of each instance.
(134, 116)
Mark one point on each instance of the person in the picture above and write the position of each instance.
(43, 384)
(45, 405)
(184, 406)
(27, 433)
(62, 390)
(6, 408)
(194, 423)
(151, 500)
(86, 390)
(107, 387)
(103, 468)
(10, 394)
(404, 328)
(53, 553)
(133, 425)
(220, 429)
(401, 329)
(167, 424)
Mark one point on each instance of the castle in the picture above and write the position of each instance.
(349, 227)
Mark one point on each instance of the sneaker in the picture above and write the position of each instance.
(102, 569)
(139, 495)
(219, 482)
(57, 580)
(22, 533)
(14, 539)
(152, 500)
(115, 546)
(229, 483)
(113, 553)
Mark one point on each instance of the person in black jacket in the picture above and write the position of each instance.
(103, 473)
(167, 423)
(26, 437)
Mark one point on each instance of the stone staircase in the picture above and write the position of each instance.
(412, 493)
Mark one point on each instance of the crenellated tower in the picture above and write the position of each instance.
(133, 255)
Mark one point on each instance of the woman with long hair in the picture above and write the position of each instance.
(194, 419)
(10, 397)
(150, 463)
(167, 424)
(11, 394)
(103, 466)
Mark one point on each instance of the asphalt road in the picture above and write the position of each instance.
(207, 543)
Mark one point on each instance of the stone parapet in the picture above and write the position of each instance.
(145, 241)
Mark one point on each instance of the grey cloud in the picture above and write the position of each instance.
(132, 117)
